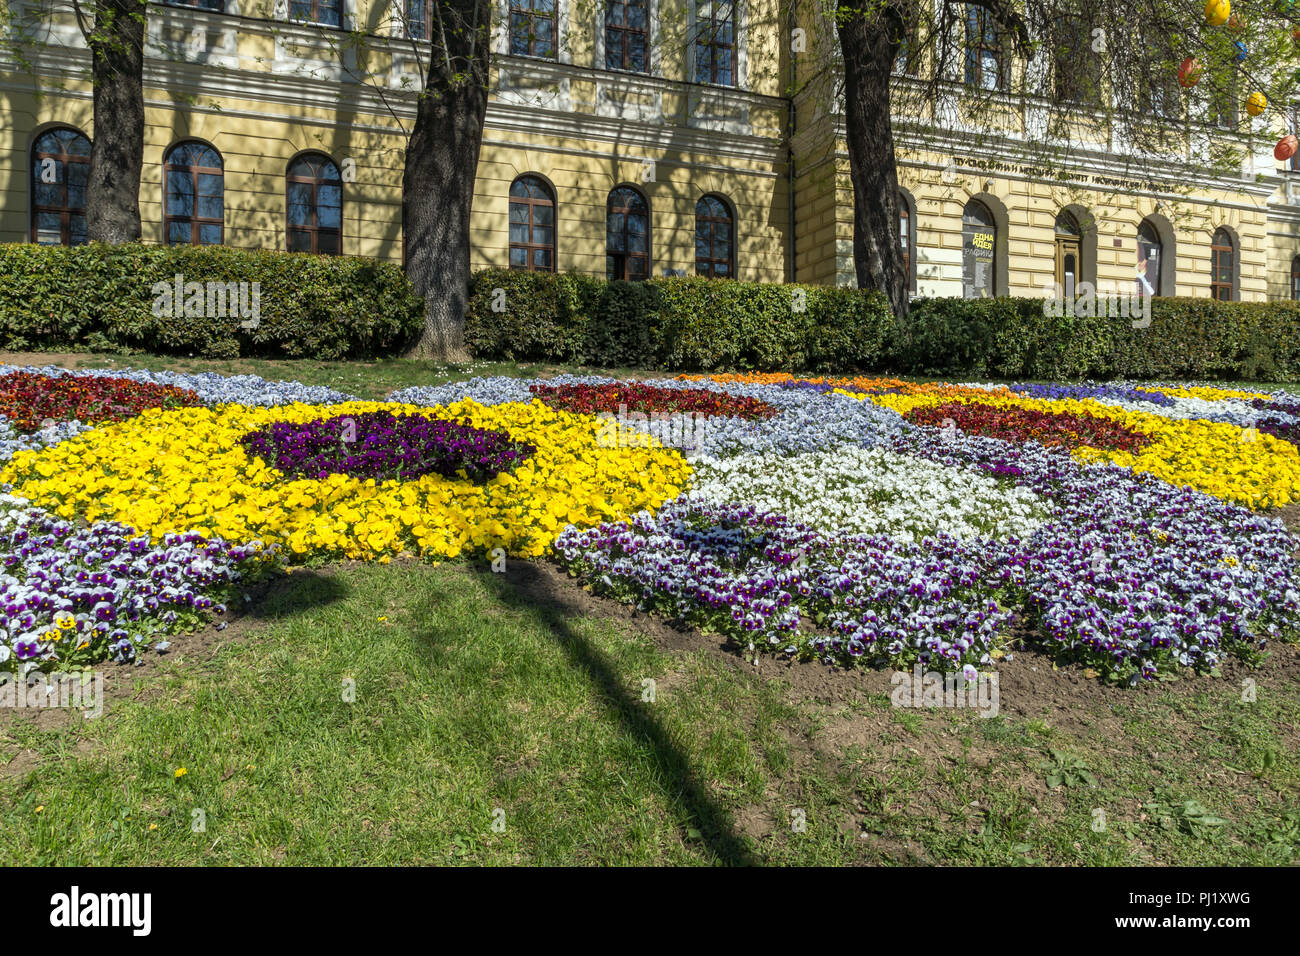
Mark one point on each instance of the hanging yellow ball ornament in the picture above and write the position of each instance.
(1217, 12)
(1255, 103)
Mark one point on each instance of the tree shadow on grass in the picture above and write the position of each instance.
(524, 587)
(287, 595)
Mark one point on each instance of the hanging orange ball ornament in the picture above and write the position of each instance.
(1189, 73)
(1256, 103)
(1285, 148)
(1236, 24)
(1217, 12)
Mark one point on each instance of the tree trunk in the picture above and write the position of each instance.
(117, 149)
(438, 180)
(868, 42)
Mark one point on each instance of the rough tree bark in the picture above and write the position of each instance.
(116, 45)
(869, 42)
(438, 180)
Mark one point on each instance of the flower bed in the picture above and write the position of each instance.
(166, 472)
(29, 399)
(382, 445)
(1053, 429)
(853, 520)
(635, 397)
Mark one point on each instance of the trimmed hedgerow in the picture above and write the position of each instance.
(103, 297)
(675, 323)
(1014, 338)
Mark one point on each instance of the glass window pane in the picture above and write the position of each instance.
(327, 243)
(49, 228)
(299, 241)
(209, 234)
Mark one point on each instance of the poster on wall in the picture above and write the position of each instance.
(976, 260)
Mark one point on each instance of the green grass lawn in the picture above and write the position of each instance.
(376, 379)
(494, 726)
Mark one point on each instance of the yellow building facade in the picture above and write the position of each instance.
(652, 137)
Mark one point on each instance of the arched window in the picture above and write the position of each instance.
(532, 28)
(193, 207)
(627, 34)
(986, 55)
(1295, 278)
(979, 242)
(314, 205)
(1223, 266)
(907, 235)
(532, 225)
(327, 13)
(60, 162)
(1069, 240)
(627, 235)
(1149, 260)
(715, 239)
(715, 42)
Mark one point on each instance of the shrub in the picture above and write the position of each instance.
(102, 297)
(1012, 338)
(675, 323)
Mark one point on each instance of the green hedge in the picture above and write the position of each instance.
(708, 324)
(103, 297)
(1188, 338)
(675, 323)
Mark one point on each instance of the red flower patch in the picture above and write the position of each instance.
(634, 397)
(28, 398)
(1054, 429)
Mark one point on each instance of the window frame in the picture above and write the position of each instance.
(315, 229)
(708, 27)
(524, 10)
(711, 261)
(989, 40)
(995, 253)
(1159, 244)
(625, 211)
(1217, 250)
(530, 247)
(425, 22)
(65, 211)
(196, 222)
(1069, 242)
(314, 18)
(626, 33)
